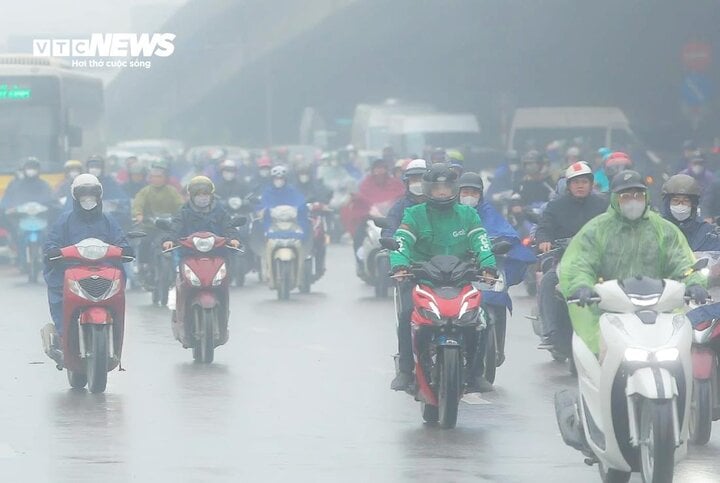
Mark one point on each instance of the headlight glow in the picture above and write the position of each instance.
(220, 275)
(634, 354)
(667, 355)
(190, 276)
(204, 244)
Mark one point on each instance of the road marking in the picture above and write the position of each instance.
(474, 398)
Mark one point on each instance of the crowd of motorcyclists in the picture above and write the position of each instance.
(565, 224)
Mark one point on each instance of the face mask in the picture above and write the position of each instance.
(513, 168)
(680, 212)
(88, 202)
(633, 209)
(278, 183)
(697, 169)
(228, 175)
(95, 171)
(303, 178)
(73, 174)
(31, 173)
(415, 188)
(264, 173)
(202, 201)
(469, 200)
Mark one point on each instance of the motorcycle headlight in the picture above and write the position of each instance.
(75, 288)
(429, 314)
(667, 355)
(220, 275)
(469, 316)
(92, 252)
(634, 354)
(114, 288)
(190, 276)
(235, 202)
(204, 244)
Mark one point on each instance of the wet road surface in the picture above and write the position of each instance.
(299, 393)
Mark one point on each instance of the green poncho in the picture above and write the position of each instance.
(612, 247)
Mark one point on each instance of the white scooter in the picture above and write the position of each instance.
(634, 401)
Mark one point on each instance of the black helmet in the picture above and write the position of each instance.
(681, 184)
(438, 176)
(626, 180)
(471, 180)
(31, 163)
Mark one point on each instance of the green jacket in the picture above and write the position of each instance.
(425, 232)
(612, 247)
(153, 201)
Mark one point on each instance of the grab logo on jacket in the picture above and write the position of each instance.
(459, 233)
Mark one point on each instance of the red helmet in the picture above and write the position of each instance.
(618, 159)
(264, 162)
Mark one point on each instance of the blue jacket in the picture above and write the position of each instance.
(189, 221)
(517, 259)
(112, 189)
(74, 226)
(287, 195)
(25, 190)
(394, 216)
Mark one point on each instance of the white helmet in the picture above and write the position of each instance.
(581, 168)
(573, 151)
(416, 166)
(279, 172)
(86, 184)
(228, 164)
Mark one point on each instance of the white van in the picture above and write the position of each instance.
(412, 133)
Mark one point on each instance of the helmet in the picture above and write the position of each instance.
(439, 175)
(73, 164)
(604, 153)
(627, 180)
(618, 159)
(95, 159)
(581, 168)
(159, 163)
(471, 180)
(264, 162)
(228, 165)
(200, 183)
(414, 167)
(681, 184)
(86, 185)
(532, 156)
(573, 151)
(31, 163)
(279, 171)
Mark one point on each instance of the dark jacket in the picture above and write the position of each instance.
(564, 216)
(74, 226)
(231, 189)
(535, 190)
(701, 235)
(25, 190)
(315, 192)
(395, 215)
(188, 221)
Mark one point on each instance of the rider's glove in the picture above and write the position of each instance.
(697, 293)
(489, 272)
(128, 252)
(53, 253)
(583, 296)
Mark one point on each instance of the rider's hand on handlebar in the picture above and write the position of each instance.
(53, 253)
(167, 245)
(698, 294)
(545, 247)
(401, 274)
(234, 243)
(489, 274)
(583, 296)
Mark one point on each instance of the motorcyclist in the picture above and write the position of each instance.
(263, 179)
(681, 197)
(536, 185)
(412, 177)
(705, 179)
(438, 226)
(505, 178)
(229, 185)
(111, 189)
(28, 188)
(456, 160)
(689, 149)
(72, 168)
(602, 183)
(158, 198)
(201, 212)
(137, 178)
(312, 189)
(85, 220)
(627, 240)
(563, 217)
(616, 162)
(516, 260)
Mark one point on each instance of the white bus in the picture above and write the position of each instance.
(47, 111)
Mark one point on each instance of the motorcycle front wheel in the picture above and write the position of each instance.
(657, 448)
(490, 355)
(97, 360)
(701, 417)
(450, 387)
(204, 348)
(32, 261)
(283, 275)
(76, 379)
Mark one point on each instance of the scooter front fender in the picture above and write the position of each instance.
(95, 316)
(652, 383)
(205, 299)
(284, 254)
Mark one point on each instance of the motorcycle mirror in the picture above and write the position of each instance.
(700, 264)
(381, 222)
(501, 247)
(162, 224)
(136, 234)
(389, 244)
(238, 221)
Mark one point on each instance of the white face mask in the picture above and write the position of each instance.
(469, 200)
(304, 178)
(228, 175)
(88, 202)
(680, 212)
(264, 173)
(633, 209)
(697, 169)
(95, 171)
(202, 201)
(415, 188)
(514, 168)
(279, 183)
(31, 173)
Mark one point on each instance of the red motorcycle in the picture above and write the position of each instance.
(93, 312)
(200, 319)
(318, 220)
(445, 324)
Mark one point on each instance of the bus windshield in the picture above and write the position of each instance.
(29, 120)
